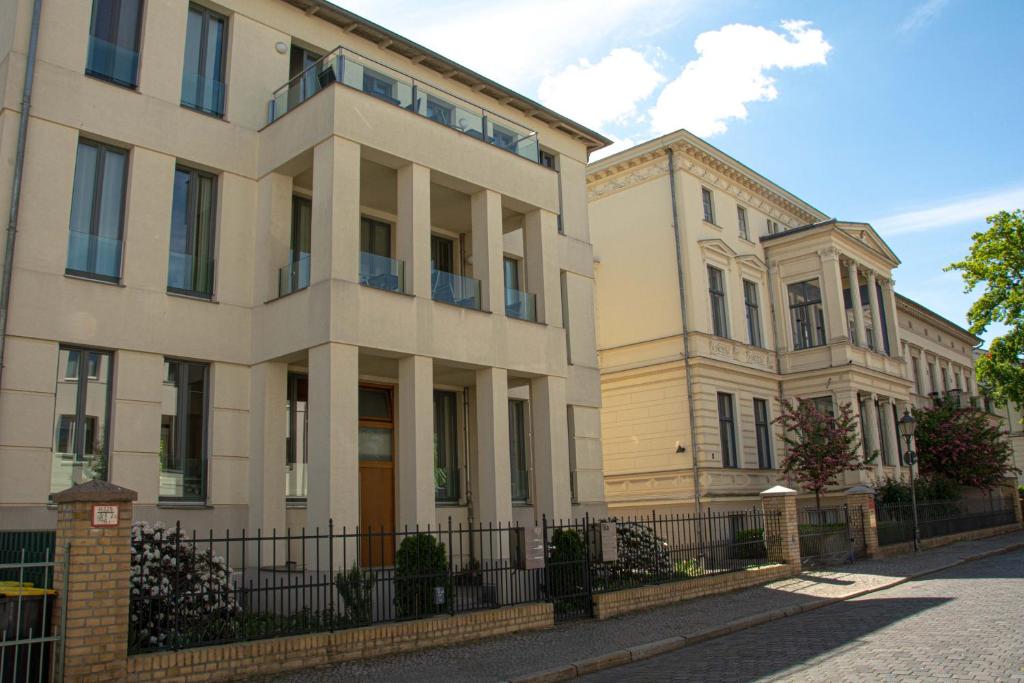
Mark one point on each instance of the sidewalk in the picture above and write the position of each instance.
(564, 651)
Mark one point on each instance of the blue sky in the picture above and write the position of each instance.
(908, 115)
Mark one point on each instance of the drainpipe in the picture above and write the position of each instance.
(775, 326)
(686, 329)
(19, 165)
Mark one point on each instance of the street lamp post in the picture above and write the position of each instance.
(907, 425)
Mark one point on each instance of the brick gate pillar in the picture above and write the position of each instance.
(96, 519)
(861, 501)
(781, 534)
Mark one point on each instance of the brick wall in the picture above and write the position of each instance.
(260, 657)
(608, 605)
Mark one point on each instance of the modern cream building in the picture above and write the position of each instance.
(720, 294)
(277, 265)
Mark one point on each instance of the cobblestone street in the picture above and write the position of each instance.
(965, 623)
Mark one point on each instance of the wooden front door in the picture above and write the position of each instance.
(376, 476)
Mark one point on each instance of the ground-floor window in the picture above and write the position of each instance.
(81, 443)
(446, 452)
(762, 429)
(517, 451)
(183, 430)
(296, 433)
(727, 430)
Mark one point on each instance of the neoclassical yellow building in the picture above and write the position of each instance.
(720, 294)
(277, 265)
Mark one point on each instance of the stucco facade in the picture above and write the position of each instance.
(719, 295)
(301, 370)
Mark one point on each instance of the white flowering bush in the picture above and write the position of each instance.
(180, 593)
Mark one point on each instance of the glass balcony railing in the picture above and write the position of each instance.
(112, 62)
(519, 304)
(186, 273)
(203, 94)
(94, 255)
(381, 272)
(455, 289)
(373, 78)
(293, 276)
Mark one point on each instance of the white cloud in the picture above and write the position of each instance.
(922, 14)
(605, 92)
(730, 72)
(970, 209)
(618, 144)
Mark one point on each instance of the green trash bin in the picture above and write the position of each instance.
(25, 612)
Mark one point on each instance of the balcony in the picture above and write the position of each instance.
(293, 276)
(381, 272)
(453, 289)
(519, 304)
(377, 80)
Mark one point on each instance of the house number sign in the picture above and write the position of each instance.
(104, 515)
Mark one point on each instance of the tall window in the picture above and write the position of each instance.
(202, 83)
(193, 217)
(773, 227)
(824, 405)
(517, 450)
(709, 204)
(296, 438)
(741, 217)
(446, 452)
(81, 448)
(114, 41)
(882, 441)
(574, 484)
(727, 430)
(931, 378)
(97, 211)
(917, 374)
(719, 314)
(183, 431)
(806, 314)
(762, 429)
(945, 378)
(753, 309)
(295, 275)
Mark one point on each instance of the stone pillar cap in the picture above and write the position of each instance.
(95, 491)
(778, 491)
(860, 488)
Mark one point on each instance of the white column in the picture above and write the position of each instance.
(493, 478)
(416, 442)
(888, 426)
(335, 228)
(412, 242)
(268, 395)
(872, 442)
(333, 414)
(853, 277)
(488, 249)
(540, 231)
(273, 238)
(876, 318)
(892, 319)
(832, 286)
(550, 447)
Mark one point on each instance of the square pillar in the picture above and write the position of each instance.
(98, 581)
(832, 288)
(273, 238)
(333, 414)
(781, 532)
(488, 248)
(876, 317)
(335, 223)
(853, 278)
(416, 443)
(268, 395)
(412, 241)
(540, 230)
(492, 485)
(550, 447)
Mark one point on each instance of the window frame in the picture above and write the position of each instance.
(811, 323)
(452, 493)
(181, 426)
(763, 433)
(191, 218)
(718, 302)
(82, 381)
(95, 207)
(292, 455)
(741, 220)
(525, 498)
(753, 313)
(109, 78)
(207, 15)
(707, 198)
(727, 430)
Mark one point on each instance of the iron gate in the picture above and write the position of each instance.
(826, 535)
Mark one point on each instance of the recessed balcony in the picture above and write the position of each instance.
(457, 290)
(293, 276)
(351, 69)
(381, 272)
(520, 304)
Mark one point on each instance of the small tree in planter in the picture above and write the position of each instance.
(819, 446)
(421, 577)
(962, 446)
(356, 590)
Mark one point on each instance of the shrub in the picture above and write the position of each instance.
(687, 568)
(934, 488)
(356, 590)
(749, 545)
(642, 555)
(566, 569)
(421, 577)
(179, 592)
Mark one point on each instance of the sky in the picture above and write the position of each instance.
(904, 114)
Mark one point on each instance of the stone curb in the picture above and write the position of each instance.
(659, 647)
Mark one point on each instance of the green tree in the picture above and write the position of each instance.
(996, 262)
(961, 445)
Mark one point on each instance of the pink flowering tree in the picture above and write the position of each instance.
(819, 446)
(962, 445)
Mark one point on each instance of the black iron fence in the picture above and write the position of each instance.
(30, 627)
(941, 518)
(190, 590)
(828, 535)
(18, 547)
